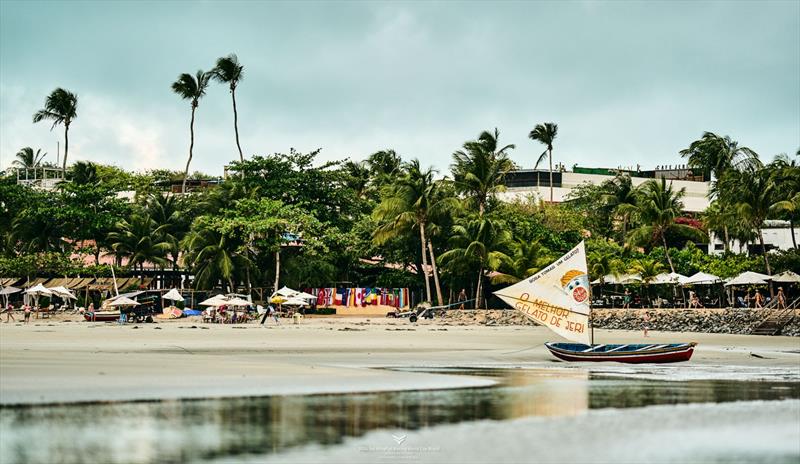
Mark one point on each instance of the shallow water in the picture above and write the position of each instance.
(200, 430)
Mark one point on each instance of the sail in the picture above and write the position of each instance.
(557, 296)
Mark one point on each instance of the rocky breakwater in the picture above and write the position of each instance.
(733, 321)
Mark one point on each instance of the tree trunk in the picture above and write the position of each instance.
(425, 261)
(236, 125)
(191, 147)
(277, 268)
(791, 231)
(479, 288)
(766, 260)
(666, 252)
(624, 228)
(435, 274)
(66, 150)
(550, 150)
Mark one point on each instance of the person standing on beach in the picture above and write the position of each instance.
(27, 313)
(646, 322)
(10, 313)
(781, 298)
(462, 297)
(626, 300)
(759, 299)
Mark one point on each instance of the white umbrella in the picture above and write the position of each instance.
(238, 302)
(702, 278)
(295, 302)
(748, 278)
(9, 290)
(285, 291)
(620, 279)
(173, 295)
(124, 301)
(38, 289)
(671, 278)
(216, 300)
(63, 292)
(787, 277)
(304, 296)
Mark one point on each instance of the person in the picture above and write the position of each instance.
(626, 300)
(10, 313)
(747, 299)
(462, 297)
(759, 299)
(781, 299)
(27, 314)
(235, 317)
(90, 311)
(646, 321)
(270, 312)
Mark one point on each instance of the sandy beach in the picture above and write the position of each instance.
(52, 361)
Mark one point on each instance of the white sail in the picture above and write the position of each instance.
(557, 296)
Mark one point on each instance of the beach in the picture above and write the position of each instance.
(52, 361)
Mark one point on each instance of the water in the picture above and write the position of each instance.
(202, 430)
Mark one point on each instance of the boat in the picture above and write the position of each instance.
(558, 298)
(101, 316)
(636, 353)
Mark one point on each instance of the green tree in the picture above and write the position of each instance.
(619, 195)
(716, 155)
(27, 158)
(657, 207)
(191, 88)
(229, 71)
(648, 270)
(61, 107)
(139, 239)
(479, 169)
(526, 259)
(84, 172)
(545, 134)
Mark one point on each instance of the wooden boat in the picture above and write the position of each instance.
(102, 316)
(641, 353)
(558, 297)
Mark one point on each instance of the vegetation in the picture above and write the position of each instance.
(60, 107)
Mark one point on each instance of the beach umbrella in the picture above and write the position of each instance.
(669, 278)
(304, 296)
(36, 291)
(5, 291)
(216, 300)
(701, 278)
(173, 295)
(295, 302)
(239, 302)
(620, 279)
(63, 292)
(285, 291)
(277, 299)
(124, 301)
(748, 278)
(785, 277)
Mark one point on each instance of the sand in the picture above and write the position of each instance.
(52, 361)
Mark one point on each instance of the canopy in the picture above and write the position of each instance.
(63, 292)
(238, 302)
(38, 289)
(748, 278)
(304, 296)
(216, 300)
(671, 278)
(173, 295)
(286, 291)
(124, 295)
(620, 279)
(788, 277)
(702, 278)
(294, 301)
(124, 301)
(9, 290)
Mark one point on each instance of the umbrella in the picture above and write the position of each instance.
(216, 300)
(239, 302)
(173, 295)
(671, 278)
(295, 302)
(620, 279)
(285, 291)
(124, 301)
(749, 278)
(38, 289)
(304, 296)
(701, 278)
(786, 277)
(9, 290)
(63, 292)
(277, 299)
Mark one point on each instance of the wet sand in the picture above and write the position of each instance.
(51, 361)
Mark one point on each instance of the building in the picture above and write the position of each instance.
(777, 236)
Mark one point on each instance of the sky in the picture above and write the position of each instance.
(627, 82)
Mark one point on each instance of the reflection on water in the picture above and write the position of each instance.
(195, 430)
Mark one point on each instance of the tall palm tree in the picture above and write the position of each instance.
(647, 269)
(61, 107)
(191, 88)
(721, 219)
(481, 240)
(545, 134)
(213, 257)
(787, 178)
(526, 259)
(716, 155)
(26, 158)
(229, 71)
(84, 172)
(657, 207)
(414, 201)
(479, 169)
(357, 177)
(601, 265)
(620, 196)
(139, 239)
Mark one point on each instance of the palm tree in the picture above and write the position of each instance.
(526, 259)
(479, 240)
(414, 201)
(480, 168)
(657, 207)
(716, 155)
(648, 270)
(191, 88)
(357, 177)
(383, 166)
(721, 219)
(602, 264)
(139, 239)
(787, 178)
(229, 71)
(213, 257)
(61, 107)
(620, 197)
(545, 134)
(84, 172)
(26, 158)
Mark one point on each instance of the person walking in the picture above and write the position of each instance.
(626, 300)
(781, 298)
(10, 313)
(759, 299)
(646, 322)
(462, 297)
(27, 314)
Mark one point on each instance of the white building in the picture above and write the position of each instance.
(777, 236)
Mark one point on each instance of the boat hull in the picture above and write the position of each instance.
(102, 316)
(634, 354)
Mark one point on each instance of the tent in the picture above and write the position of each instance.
(785, 277)
(173, 295)
(702, 278)
(620, 279)
(748, 278)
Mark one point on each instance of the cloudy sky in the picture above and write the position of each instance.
(627, 82)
